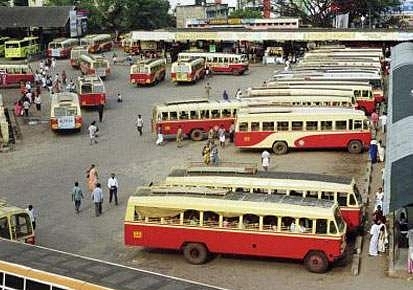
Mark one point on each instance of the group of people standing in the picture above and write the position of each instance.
(95, 190)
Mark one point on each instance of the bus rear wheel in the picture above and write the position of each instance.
(195, 253)
(235, 72)
(279, 147)
(316, 262)
(355, 147)
(196, 135)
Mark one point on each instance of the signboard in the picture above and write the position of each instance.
(73, 23)
(66, 122)
(212, 48)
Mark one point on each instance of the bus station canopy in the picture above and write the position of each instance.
(398, 173)
(23, 16)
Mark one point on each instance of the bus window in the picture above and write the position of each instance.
(311, 194)
(215, 114)
(270, 223)
(352, 200)
(311, 125)
(297, 125)
(173, 116)
(211, 219)
(174, 220)
(4, 228)
(341, 125)
(357, 94)
(358, 124)
(342, 198)
(226, 113)
(268, 126)
(205, 114)
(255, 126)
(365, 93)
(326, 125)
(86, 88)
(183, 115)
(243, 127)
(258, 190)
(305, 225)
(194, 114)
(328, 195)
(282, 126)
(288, 224)
(250, 222)
(164, 115)
(321, 226)
(296, 193)
(231, 222)
(191, 217)
(333, 229)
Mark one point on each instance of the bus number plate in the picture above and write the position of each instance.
(137, 234)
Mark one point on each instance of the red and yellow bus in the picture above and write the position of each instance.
(147, 72)
(65, 113)
(201, 222)
(61, 47)
(240, 177)
(94, 65)
(189, 71)
(97, 43)
(363, 94)
(225, 63)
(195, 117)
(15, 224)
(14, 74)
(302, 128)
(75, 54)
(91, 91)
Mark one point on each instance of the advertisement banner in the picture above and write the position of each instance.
(73, 23)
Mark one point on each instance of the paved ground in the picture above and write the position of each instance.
(44, 166)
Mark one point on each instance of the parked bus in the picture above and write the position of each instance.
(94, 65)
(302, 128)
(236, 64)
(65, 112)
(61, 47)
(14, 74)
(97, 43)
(22, 48)
(15, 224)
(75, 54)
(240, 177)
(200, 222)
(147, 72)
(91, 91)
(363, 95)
(188, 71)
(195, 117)
(2, 45)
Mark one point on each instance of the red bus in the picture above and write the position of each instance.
(200, 222)
(94, 65)
(220, 63)
(91, 91)
(188, 71)
(302, 128)
(195, 117)
(148, 72)
(14, 74)
(245, 177)
(97, 43)
(61, 47)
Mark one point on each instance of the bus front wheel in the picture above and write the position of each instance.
(316, 262)
(355, 147)
(195, 253)
(196, 135)
(279, 147)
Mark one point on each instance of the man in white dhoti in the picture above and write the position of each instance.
(374, 239)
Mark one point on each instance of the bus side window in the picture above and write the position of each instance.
(296, 193)
(231, 222)
(288, 224)
(297, 125)
(255, 126)
(137, 216)
(250, 222)
(327, 195)
(311, 194)
(268, 126)
(270, 223)
(321, 226)
(194, 114)
(164, 116)
(352, 200)
(211, 219)
(342, 198)
(204, 114)
(357, 93)
(4, 228)
(174, 220)
(243, 127)
(326, 125)
(282, 126)
(226, 113)
(191, 217)
(183, 115)
(333, 229)
(173, 115)
(305, 225)
(215, 114)
(311, 125)
(341, 125)
(358, 124)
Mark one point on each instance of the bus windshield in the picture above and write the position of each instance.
(339, 220)
(54, 45)
(12, 45)
(65, 111)
(100, 64)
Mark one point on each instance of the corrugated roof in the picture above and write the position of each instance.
(23, 16)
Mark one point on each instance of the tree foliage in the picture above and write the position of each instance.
(245, 13)
(122, 15)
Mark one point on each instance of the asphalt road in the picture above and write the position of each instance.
(42, 168)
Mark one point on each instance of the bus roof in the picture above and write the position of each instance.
(321, 86)
(214, 54)
(337, 112)
(6, 208)
(198, 105)
(304, 81)
(235, 202)
(65, 97)
(151, 61)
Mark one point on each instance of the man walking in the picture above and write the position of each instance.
(207, 90)
(32, 214)
(113, 186)
(100, 111)
(77, 196)
(265, 160)
(179, 137)
(97, 197)
(92, 133)
(139, 124)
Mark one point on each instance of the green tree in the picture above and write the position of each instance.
(4, 3)
(245, 13)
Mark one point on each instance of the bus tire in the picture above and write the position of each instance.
(355, 147)
(316, 262)
(280, 147)
(235, 72)
(196, 253)
(197, 135)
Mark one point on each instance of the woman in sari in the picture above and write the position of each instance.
(92, 177)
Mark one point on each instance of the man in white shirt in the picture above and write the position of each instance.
(139, 124)
(113, 186)
(383, 122)
(32, 214)
(265, 160)
(97, 197)
(92, 133)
